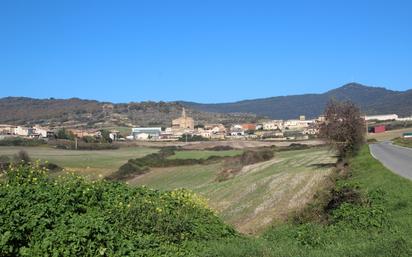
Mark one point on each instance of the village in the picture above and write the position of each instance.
(185, 128)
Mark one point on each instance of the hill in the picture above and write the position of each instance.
(89, 113)
(372, 100)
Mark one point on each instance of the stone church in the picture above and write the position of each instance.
(183, 123)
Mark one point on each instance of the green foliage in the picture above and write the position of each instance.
(64, 134)
(18, 141)
(192, 138)
(83, 145)
(73, 217)
(105, 136)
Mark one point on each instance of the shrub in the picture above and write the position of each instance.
(192, 138)
(70, 216)
(18, 141)
(220, 148)
(22, 156)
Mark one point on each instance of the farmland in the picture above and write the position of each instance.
(89, 163)
(198, 154)
(259, 194)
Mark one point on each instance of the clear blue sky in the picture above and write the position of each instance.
(204, 51)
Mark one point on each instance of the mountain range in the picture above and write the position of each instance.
(371, 100)
(90, 113)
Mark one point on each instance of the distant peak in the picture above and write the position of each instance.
(353, 85)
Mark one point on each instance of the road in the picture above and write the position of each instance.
(396, 158)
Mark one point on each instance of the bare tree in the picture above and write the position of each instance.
(344, 128)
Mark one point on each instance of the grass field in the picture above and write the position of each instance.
(89, 163)
(256, 197)
(203, 154)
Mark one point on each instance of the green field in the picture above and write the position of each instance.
(260, 194)
(89, 163)
(199, 154)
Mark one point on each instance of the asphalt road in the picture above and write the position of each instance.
(396, 158)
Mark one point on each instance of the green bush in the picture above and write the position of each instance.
(81, 145)
(192, 138)
(18, 141)
(69, 216)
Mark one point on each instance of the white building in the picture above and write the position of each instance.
(40, 131)
(146, 133)
(23, 131)
(273, 125)
(298, 124)
(382, 117)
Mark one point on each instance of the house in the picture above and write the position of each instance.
(43, 132)
(146, 133)
(273, 125)
(311, 131)
(23, 131)
(237, 130)
(114, 135)
(216, 128)
(298, 124)
(6, 129)
(249, 127)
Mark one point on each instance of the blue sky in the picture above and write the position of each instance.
(204, 51)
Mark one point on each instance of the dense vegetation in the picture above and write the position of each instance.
(69, 216)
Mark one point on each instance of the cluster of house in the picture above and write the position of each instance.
(268, 129)
(29, 132)
(296, 129)
(46, 132)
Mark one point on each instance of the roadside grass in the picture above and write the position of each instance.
(403, 142)
(251, 200)
(88, 163)
(204, 154)
(380, 226)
